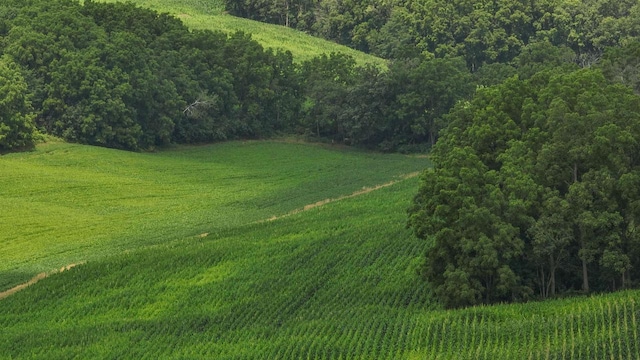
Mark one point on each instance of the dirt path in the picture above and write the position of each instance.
(364, 190)
(35, 279)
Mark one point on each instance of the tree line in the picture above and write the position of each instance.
(534, 193)
(124, 77)
(482, 32)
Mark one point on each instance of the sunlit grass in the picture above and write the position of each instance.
(210, 15)
(335, 282)
(65, 203)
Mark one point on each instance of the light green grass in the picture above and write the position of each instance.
(335, 282)
(66, 203)
(209, 15)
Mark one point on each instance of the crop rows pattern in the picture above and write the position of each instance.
(66, 203)
(335, 282)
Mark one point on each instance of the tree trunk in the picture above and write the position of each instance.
(488, 289)
(286, 21)
(552, 279)
(432, 130)
(585, 272)
(629, 276)
(585, 276)
(543, 282)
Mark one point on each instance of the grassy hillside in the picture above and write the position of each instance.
(210, 15)
(66, 203)
(334, 282)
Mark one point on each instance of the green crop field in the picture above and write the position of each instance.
(210, 15)
(337, 281)
(65, 203)
(274, 249)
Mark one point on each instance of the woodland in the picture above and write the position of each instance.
(530, 111)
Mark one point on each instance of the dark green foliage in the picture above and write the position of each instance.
(620, 64)
(536, 172)
(328, 80)
(130, 78)
(424, 90)
(264, 84)
(17, 130)
(482, 32)
(119, 76)
(397, 110)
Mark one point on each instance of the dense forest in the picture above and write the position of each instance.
(482, 32)
(124, 77)
(119, 76)
(531, 110)
(534, 191)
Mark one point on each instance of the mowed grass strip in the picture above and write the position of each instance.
(65, 203)
(335, 282)
(210, 15)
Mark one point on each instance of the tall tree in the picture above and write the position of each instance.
(460, 208)
(424, 91)
(17, 130)
(553, 161)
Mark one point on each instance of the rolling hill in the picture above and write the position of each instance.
(250, 250)
(210, 15)
(214, 255)
(67, 203)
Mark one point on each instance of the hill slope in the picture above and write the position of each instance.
(66, 203)
(209, 15)
(334, 282)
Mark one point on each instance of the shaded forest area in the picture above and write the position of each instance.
(535, 191)
(124, 77)
(129, 78)
(482, 32)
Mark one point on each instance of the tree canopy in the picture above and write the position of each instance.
(124, 77)
(17, 129)
(531, 190)
(120, 76)
(482, 32)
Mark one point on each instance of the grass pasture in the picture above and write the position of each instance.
(334, 282)
(66, 203)
(210, 15)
